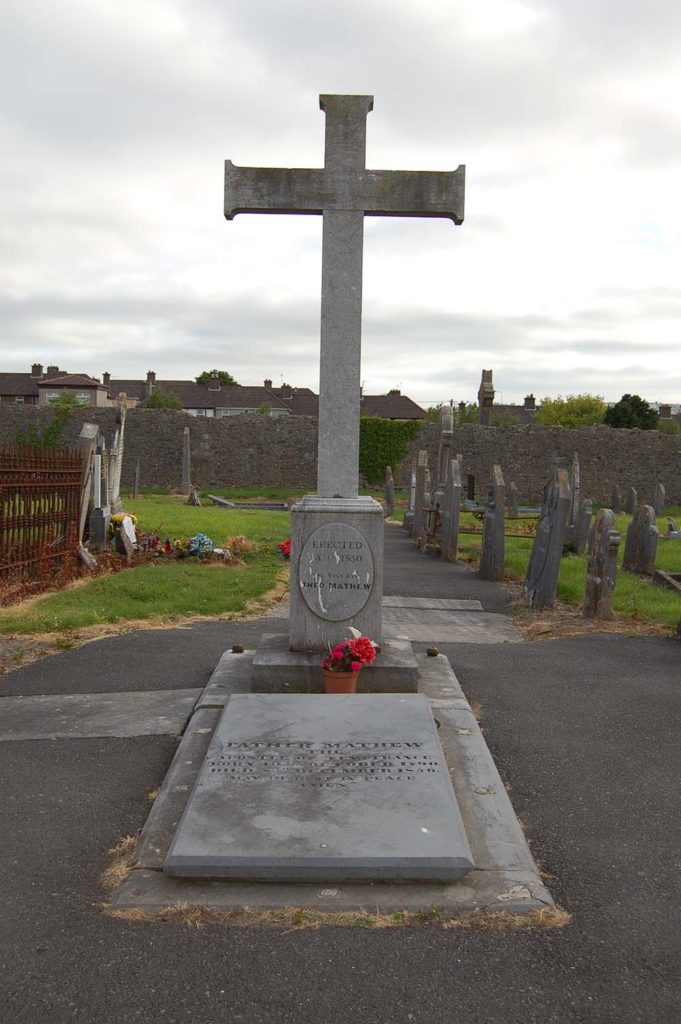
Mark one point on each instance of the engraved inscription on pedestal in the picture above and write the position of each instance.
(302, 787)
(336, 571)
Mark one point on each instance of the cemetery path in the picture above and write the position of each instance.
(585, 732)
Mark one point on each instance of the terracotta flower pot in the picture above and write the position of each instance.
(340, 682)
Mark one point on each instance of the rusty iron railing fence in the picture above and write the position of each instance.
(40, 499)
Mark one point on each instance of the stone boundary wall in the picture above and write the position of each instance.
(249, 450)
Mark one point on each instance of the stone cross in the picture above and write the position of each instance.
(343, 191)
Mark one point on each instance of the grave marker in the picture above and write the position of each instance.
(601, 568)
(541, 580)
(492, 553)
(640, 546)
(343, 192)
(449, 531)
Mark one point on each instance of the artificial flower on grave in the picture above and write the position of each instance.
(285, 548)
(351, 654)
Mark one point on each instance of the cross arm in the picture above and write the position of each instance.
(413, 193)
(272, 190)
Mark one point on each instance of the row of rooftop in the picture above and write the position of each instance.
(213, 399)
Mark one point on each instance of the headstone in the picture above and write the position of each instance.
(87, 443)
(616, 500)
(512, 501)
(426, 520)
(194, 498)
(185, 486)
(314, 788)
(583, 526)
(343, 191)
(116, 459)
(449, 531)
(444, 450)
(99, 519)
(470, 487)
(660, 499)
(492, 553)
(631, 501)
(541, 580)
(124, 546)
(409, 514)
(574, 495)
(602, 567)
(640, 546)
(389, 492)
(420, 493)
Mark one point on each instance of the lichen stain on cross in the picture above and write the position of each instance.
(343, 191)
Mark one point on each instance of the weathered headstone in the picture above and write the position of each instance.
(409, 514)
(451, 508)
(512, 502)
(420, 493)
(631, 501)
(343, 191)
(616, 500)
(492, 553)
(602, 567)
(583, 526)
(640, 546)
(315, 788)
(573, 516)
(185, 486)
(426, 519)
(194, 498)
(541, 580)
(116, 459)
(470, 487)
(660, 499)
(444, 450)
(87, 443)
(389, 492)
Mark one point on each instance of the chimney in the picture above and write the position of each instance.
(37, 370)
(151, 380)
(665, 412)
(286, 391)
(394, 391)
(52, 371)
(486, 399)
(214, 382)
(106, 379)
(462, 407)
(268, 384)
(530, 403)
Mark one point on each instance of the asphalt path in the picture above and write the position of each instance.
(586, 734)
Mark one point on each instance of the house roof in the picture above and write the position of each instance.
(393, 406)
(201, 396)
(71, 380)
(18, 384)
(298, 401)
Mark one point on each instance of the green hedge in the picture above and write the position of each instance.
(383, 443)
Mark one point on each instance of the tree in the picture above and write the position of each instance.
(469, 413)
(631, 411)
(222, 375)
(62, 408)
(160, 399)
(571, 411)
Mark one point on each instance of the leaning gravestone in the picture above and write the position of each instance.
(492, 553)
(631, 501)
(449, 530)
(640, 546)
(343, 191)
(660, 499)
(575, 488)
(601, 571)
(541, 580)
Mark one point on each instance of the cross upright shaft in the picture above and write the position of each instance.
(343, 192)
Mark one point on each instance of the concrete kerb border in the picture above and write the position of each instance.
(506, 877)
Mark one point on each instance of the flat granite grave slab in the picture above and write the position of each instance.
(299, 787)
(435, 625)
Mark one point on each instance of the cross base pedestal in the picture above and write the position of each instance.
(336, 571)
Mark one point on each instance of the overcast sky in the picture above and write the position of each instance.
(116, 119)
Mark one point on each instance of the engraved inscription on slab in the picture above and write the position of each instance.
(336, 571)
(306, 787)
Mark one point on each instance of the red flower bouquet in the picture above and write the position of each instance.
(350, 655)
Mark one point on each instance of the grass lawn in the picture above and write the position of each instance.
(167, 589)
(636, 597)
